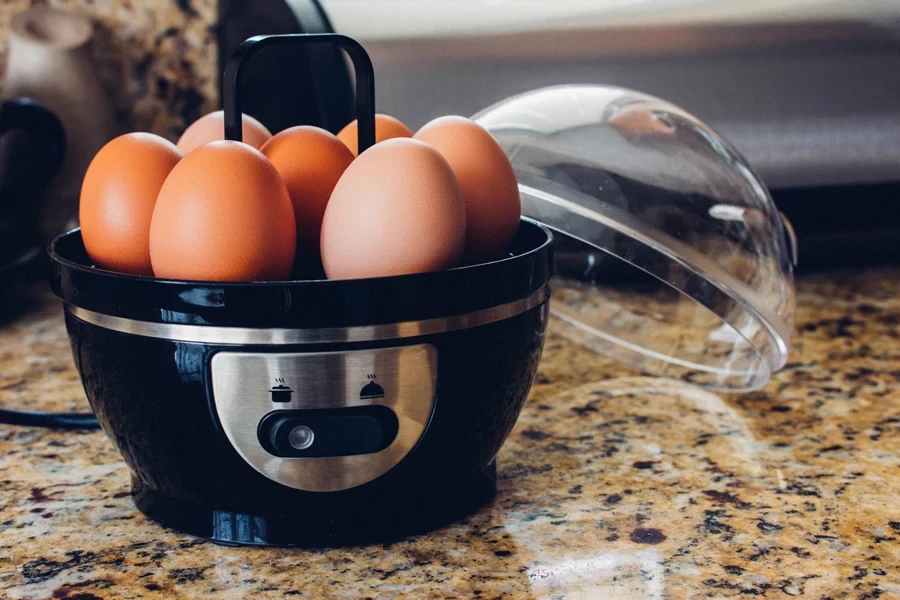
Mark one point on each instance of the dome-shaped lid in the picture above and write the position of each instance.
(673, 256)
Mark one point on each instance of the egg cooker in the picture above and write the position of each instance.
(325, 412)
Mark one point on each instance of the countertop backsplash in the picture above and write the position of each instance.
(156, 58)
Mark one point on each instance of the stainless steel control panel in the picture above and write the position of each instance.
(302, 419)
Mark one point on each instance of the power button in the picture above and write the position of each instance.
(301, 437)
(328, 432)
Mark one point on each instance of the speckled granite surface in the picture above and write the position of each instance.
(156, 58)
(611, 485)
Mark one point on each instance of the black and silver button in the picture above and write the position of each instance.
(328, 432)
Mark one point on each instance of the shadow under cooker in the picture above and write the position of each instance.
(181, 375)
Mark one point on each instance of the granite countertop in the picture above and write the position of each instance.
(611, 485)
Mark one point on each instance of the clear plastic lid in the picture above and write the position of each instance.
(673, 257)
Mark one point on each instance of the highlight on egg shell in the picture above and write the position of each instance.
(211, 128)
(396, 210)
(223, 214)
(118, 197)
(310, 160)
(487, 182)
(386, 128)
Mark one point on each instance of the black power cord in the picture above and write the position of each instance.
(53, 420)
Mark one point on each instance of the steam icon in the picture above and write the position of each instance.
(371, 390)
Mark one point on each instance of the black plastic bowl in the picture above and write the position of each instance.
(153, 396)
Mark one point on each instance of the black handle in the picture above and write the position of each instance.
(362, 64)
(44, 130)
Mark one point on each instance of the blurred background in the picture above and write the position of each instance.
(807, 90)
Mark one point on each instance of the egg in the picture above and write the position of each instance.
(487, 181)
(637, 121)
(396, 210)
(310, 161)
(386, 128)
(211, 127)
(118, 195)
(223, 214)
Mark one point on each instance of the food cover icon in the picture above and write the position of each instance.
(371, 390)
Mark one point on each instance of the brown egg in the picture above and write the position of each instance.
(118, 195)
(386, 128)
(310, 161)
(487, 181)
(223, 214)
(211, 128)
(637, 121)
(396, 210)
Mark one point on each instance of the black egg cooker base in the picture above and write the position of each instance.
(154, 395)
(380, 522)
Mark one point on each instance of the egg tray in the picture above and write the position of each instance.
(300, 303)
(220, 212)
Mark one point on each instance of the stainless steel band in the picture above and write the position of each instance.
(206, 334)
